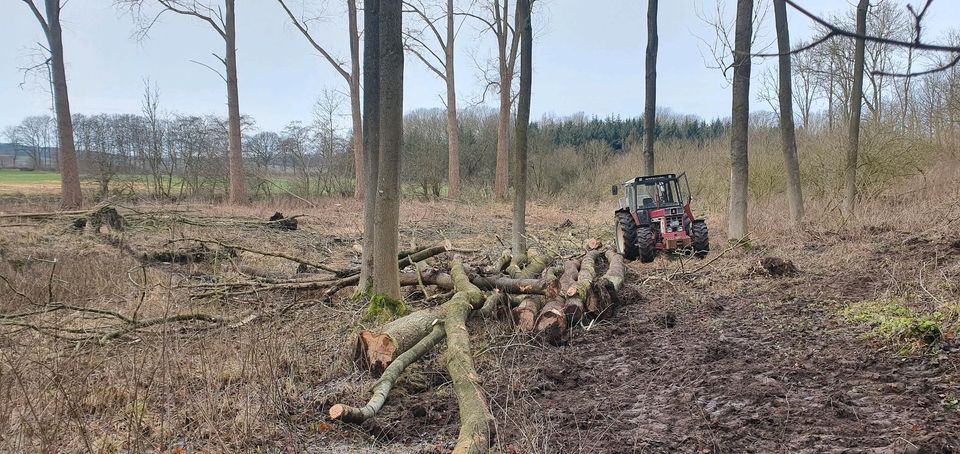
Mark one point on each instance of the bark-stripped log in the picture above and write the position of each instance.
(390, 375)
(602, 300)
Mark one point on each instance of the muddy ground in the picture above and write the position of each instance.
(725, 359)
(703, 356)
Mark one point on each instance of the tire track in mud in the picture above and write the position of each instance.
(766, 369)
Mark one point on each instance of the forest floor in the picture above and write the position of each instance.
(703, 356)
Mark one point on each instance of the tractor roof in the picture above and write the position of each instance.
(651, 179)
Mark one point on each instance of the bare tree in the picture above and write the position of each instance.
(498, 19)
(350, 73)
(856, 102)
(222, 19)
(386, 276)
(35, 133)
(650, 100)
(67, 154)
(371, 139)
(739, 123)
(523, 121)
(788, 136)
(441, 63)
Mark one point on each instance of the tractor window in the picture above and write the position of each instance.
(666, 192)
(646, 197)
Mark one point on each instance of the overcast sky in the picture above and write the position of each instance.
(588, 57)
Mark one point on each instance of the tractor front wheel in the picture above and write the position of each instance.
(646, 244)
(701, 239)
(626, 236)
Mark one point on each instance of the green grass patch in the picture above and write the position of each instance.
(14, 176)
(894, 322)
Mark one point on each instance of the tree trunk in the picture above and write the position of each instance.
(739, 122)
(407, 338)
(386, 279)
(371, 137)
(523, 120)
(525, 314)
(602, 299)
(69, 171)
(501, 179)
(856, 104)
(650, 101)
(355, 100)
(453, 126)
(788, 136)
(237, 188)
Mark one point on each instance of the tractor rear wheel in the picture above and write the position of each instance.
(701, 239)
(626, 236)
(646, 244)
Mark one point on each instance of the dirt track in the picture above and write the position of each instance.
(729, 361)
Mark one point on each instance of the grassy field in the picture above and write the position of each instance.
(19, 177)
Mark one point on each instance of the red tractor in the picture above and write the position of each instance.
(654, 216)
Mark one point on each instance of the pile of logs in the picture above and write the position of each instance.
(545, 300)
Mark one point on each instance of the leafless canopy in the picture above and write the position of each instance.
(834, 30)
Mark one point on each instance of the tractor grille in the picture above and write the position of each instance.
(674, 223)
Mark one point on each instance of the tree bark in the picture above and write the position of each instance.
(523, 120)
(525, 314)
(453, 126)
(602, 299)
(235, 158)
(507, 47)
(856, 105)
(371, 137)
(788, 136)
(650, 100)
(416, 332)
(386, 278)
(357, 118)
(69, 171)
(501, 178)
(740, 121)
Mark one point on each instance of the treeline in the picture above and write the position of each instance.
(176, 156)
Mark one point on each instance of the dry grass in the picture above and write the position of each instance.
(265, 386)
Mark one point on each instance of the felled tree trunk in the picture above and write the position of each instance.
(475, 416)
(390, 375)
(602, 299)
(405, 340)
(525, 314)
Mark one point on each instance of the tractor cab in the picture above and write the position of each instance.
(656, 191)
(654, 215)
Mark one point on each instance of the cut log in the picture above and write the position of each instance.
(475, 416)
(504, 284)
(552, 322)
(390, 375)
(525, 314)
(537, 262)
(586, 275)
(603, 299)
(568, 279)
(573, 309)
(375, 351)
(496, 304)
